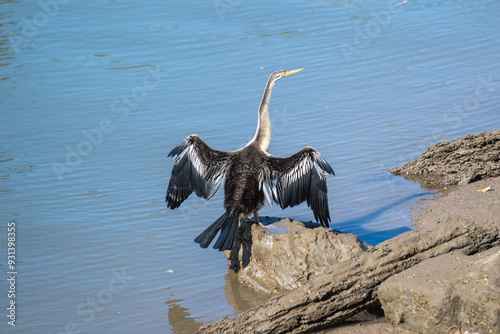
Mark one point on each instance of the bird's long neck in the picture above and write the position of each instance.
(262, 136)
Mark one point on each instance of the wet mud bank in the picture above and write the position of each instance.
(322, 278)
(462, 161)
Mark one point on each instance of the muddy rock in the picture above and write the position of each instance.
(452, 293)
(462, 161)
(464, 223)
(349, 287)
(287, 254)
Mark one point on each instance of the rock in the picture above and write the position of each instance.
(462, 161)
(288, 254)
(350, 287)
(466, 220)
(451, 293)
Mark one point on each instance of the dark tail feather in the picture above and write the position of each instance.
(206, 237)
(228, 234)
(228, 222)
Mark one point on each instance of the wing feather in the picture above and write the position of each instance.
(197, 168)
(301, 178)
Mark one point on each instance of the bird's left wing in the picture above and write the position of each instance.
(299, 178)
(197, 168)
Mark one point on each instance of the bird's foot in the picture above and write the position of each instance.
(266, 226)
(257, 221)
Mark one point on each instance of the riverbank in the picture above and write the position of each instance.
(460, 226)
(467, 203)
(463, 161)
(466, 171)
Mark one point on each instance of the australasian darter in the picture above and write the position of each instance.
(252, 176)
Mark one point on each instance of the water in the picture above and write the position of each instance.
(95, 94)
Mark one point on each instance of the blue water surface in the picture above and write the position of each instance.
(94, 94)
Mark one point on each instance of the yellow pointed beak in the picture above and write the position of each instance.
(292, 72)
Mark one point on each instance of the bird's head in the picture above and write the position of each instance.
(282, 73)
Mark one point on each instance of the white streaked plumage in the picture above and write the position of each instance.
(252, 177)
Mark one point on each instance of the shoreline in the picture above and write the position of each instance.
(462, 202)
(461, 224)
(464, 197)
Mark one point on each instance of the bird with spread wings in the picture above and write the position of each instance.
(252, 176)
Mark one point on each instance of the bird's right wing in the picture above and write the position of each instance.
(197, 168)
(300, 178)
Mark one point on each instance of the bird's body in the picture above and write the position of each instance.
(252, 176)
(242, 192)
